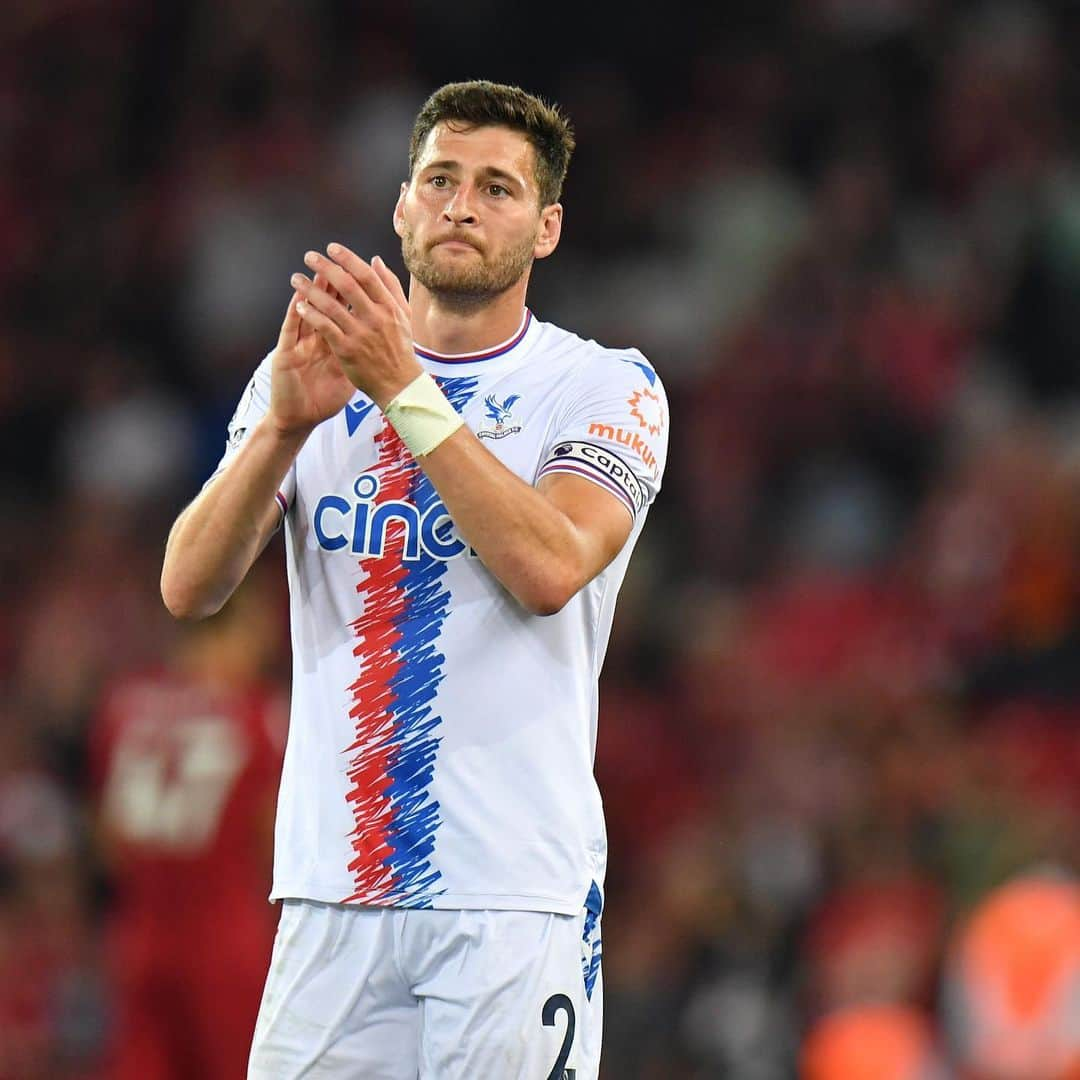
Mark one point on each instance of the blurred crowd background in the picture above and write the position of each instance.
(840, 724)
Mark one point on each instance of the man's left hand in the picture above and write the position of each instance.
(372, 335)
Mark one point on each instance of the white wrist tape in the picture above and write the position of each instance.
(422, 416)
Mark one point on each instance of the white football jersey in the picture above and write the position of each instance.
(441, 741)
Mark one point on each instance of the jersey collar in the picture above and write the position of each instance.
(488, 354)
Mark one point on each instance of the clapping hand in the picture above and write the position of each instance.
(360, 313)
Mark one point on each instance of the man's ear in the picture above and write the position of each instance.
(399, 209)
(549, 231)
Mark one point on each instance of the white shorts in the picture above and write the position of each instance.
(395, 994)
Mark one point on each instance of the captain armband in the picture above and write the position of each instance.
(602, 466)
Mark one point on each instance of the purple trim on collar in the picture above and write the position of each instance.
(471, 358)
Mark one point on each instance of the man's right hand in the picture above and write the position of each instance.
(307, 384)
(216, 538)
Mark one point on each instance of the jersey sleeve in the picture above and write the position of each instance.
(252, 407)
(614, 430)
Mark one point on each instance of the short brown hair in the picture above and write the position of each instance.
(480, 103)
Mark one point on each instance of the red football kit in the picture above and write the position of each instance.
(188, 779)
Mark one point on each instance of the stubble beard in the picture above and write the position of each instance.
(469, 286)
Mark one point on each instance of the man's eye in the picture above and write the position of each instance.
(439, 181)
(497, 190)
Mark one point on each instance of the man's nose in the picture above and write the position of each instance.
(460, 209)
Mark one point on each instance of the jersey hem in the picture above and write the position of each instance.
(443, 902)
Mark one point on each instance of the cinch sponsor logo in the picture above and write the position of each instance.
(361, 524)
(630, 439)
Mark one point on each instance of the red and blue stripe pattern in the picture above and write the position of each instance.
(392, 757)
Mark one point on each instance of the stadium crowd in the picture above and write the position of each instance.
(840, 713)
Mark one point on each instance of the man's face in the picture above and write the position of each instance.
(469, 218)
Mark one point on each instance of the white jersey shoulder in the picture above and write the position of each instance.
(614, 405)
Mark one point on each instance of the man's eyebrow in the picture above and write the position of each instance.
(486, 170)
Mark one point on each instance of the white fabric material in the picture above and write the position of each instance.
(393, 994)
(441, 741)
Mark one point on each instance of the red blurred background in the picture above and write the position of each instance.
(842, 702)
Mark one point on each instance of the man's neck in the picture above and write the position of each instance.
(443, 329)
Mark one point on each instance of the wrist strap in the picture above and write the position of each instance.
(422, 416)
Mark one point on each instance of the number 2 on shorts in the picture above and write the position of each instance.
(554, 1004)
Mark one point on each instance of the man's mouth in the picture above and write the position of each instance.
(456, 244)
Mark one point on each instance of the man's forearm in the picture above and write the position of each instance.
(219, 535)
(529, 543)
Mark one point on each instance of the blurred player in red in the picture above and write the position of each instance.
(871, 1042)
(1013, 983)
(188, 760)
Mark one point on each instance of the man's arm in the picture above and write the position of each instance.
(543, 544)
(218, 537)
(215, 541)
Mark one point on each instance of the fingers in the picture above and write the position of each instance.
(323, 300)
(306, 329)
(320, 322)
(373, 285)
(390, 280)
(292, 327)
(343, 280)
(344, 288)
